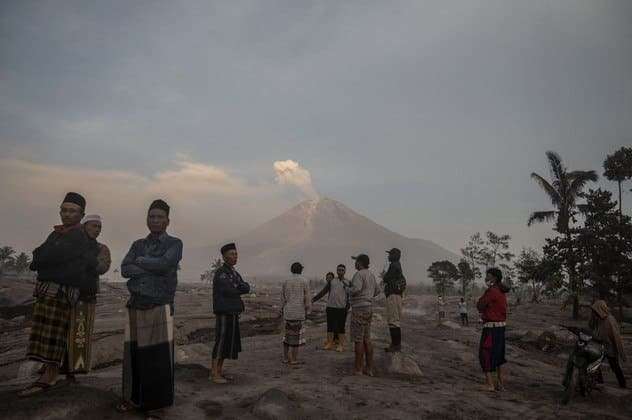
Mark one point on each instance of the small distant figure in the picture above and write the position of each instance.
(606, 329)
(363, 290)
(295, 304)
(337, 291)
(462, 306)
(394, 287)
(228, 286)
(493, 309)
(440, 308)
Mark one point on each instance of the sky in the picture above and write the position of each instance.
(426, 116)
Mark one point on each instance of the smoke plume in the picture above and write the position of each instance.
(289, 172)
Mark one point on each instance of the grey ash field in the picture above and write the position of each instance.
(436, 377)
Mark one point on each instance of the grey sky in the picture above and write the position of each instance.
(427, 116)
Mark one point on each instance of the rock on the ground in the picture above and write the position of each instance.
(274, 404)
(107, 351)
(450, 324)
(198, 352)
(401, 364)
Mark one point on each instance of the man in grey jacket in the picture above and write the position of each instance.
(363, 290)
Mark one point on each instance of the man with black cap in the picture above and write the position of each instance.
(151, 265)
(394, 286)
(228, 286)
(363, 290)
(66, 269)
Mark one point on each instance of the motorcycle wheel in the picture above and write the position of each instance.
(570, 389)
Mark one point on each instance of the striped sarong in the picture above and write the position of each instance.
(148, 360)
(227, 337)
(294, 334)
(49, 332)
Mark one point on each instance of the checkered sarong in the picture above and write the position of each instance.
(49, 333)
(294, 334)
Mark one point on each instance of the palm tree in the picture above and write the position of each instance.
(618, 167)
(563, 191)
(22, 263)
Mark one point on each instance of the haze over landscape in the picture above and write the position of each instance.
(426, 117)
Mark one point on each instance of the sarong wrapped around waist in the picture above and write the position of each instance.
(148, 373)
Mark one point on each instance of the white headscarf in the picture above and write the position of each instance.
(91, 218)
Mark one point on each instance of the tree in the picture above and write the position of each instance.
(564, 190)
(496, 253)
(22, 262)
(465, 275)
(473, 254)
(605, 241)
(443, 274)
(207, 276)
(533, 271)
(618, 167)
(6, 257)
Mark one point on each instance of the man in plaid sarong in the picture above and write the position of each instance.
(65, 263)
(151, 266)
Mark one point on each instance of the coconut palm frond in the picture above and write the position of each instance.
(557, 167)
(541, 217)
(550, 190)
(579, 179)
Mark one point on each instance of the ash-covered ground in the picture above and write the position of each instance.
(437, 376)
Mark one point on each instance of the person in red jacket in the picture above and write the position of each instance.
(493, 309)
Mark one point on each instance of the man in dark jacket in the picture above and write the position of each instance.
(151, 265)
(228, 286)
(66, 268)
(394, 286)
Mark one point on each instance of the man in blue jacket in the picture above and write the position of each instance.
(151, 265)
(228, 286)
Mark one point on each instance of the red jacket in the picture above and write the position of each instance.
(493, 305)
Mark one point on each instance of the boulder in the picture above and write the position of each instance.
(400, 364)
(107, 351)
(274, 404)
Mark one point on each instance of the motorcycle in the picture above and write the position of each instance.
(583, 369)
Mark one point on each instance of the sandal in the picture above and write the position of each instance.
(36, 388)
(125, 407)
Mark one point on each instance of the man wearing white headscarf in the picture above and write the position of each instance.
(78, 358)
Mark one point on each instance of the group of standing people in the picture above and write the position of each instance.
(356, 295)
(68, 266)
(70, 261)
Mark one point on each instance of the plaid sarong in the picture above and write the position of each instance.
(361, 323)
(49, 332)
(148, 375)
(294, 334)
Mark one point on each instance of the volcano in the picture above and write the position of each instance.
(322, 234)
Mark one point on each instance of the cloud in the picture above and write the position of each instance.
(289, 172)
(208, 203)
